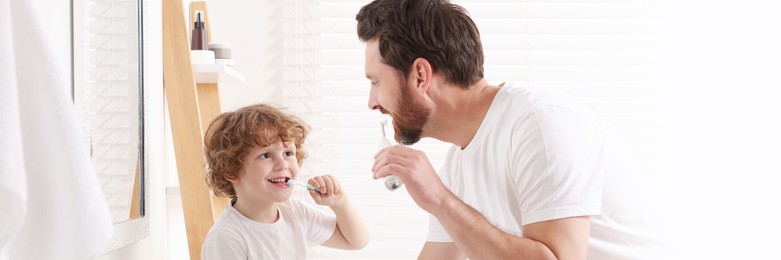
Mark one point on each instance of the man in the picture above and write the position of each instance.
(531, 174)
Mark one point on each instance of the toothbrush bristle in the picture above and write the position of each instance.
(383, 123)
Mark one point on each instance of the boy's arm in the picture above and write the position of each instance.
(351, 231)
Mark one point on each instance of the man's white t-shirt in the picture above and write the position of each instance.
(541, 155)
(299, 227)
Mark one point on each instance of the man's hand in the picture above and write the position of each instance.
(414, 169)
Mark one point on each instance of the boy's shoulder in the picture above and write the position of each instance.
(228, 222)
(297, 206)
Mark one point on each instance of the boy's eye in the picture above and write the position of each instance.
(264, 156)
(289, 153)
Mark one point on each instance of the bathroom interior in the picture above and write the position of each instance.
(122, 66)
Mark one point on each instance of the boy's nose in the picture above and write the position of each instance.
(280, 163)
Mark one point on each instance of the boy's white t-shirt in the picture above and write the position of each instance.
(299, 227)
(541, 155)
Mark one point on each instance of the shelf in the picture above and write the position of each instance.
(214, 73)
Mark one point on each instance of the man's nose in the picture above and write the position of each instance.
(374, 104)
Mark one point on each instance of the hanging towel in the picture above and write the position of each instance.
(13, 186)
(58, 209)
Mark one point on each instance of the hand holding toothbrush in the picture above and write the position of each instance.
(392, 182)
(324, 189)
(351, 230)
(415, 171)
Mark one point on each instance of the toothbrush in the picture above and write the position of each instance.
(392, 182)
(291, 182)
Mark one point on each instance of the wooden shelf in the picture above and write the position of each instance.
(215, 73)
(193, 102)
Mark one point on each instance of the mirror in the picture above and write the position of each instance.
(108, 92)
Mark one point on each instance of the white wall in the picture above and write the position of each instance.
(721, 70)
(253, 28)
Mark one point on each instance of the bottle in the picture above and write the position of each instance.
(199, 39)
(392, 182)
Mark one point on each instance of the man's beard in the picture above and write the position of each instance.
(408, 122)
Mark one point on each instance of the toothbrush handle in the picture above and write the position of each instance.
(392, 182)
(309, 186)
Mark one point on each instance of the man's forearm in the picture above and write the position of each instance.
(479, 239)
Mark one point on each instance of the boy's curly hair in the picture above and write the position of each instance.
(233, 134)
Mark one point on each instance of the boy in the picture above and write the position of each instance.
(251, 154)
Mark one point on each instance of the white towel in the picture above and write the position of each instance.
(13, 186)
(58, 209)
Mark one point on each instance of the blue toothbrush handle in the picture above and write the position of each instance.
(309, 186)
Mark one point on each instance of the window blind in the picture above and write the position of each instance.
(595, 50)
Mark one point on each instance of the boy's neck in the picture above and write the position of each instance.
(263, 212)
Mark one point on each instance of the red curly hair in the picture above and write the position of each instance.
(232, 135)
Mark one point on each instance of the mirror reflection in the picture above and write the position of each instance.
(110, 102)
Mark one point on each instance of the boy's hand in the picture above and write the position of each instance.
(330, 190)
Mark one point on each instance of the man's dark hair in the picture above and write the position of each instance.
(436, 30)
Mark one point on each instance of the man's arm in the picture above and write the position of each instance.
(436, 250)
(565, 238)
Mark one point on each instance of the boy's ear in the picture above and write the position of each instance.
(232, 178)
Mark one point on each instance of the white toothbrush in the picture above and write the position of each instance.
(392, 182)
(291, 182)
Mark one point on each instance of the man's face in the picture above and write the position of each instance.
(392, 96)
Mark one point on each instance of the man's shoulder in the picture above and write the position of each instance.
(541, 103)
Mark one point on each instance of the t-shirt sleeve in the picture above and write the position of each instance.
(320, 224)
(558, 165)
(223, 244)
(437, 233)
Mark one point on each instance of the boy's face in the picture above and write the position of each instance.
(265, 172)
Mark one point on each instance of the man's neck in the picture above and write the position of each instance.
(460, 112)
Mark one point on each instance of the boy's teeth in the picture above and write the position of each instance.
(277, 180)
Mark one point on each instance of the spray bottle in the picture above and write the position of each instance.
(199, 38)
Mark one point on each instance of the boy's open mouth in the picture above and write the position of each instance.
(281, 181)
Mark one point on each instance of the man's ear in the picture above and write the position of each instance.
(421, 70)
